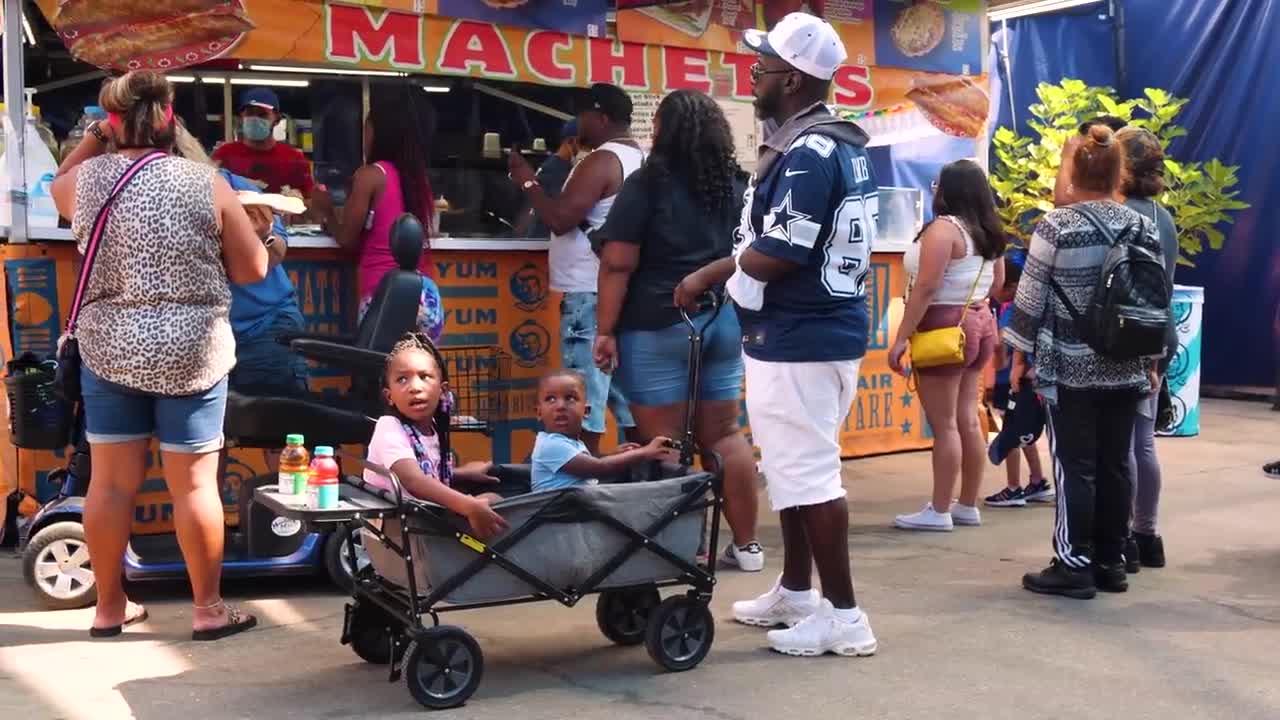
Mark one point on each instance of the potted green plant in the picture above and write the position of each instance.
(1199, 194)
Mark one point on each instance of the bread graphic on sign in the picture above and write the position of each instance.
(151, 34)
(919, 29)
(955, 105)
(691, 17)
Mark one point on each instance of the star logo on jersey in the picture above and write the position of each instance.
(779, 221)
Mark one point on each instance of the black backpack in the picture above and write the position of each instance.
(1128, 315)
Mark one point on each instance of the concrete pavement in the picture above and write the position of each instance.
(958, 637)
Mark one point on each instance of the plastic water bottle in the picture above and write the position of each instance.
(92, 114)
(294, 461)
(323, 484)
(40, 169)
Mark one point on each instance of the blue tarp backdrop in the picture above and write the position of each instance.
(1224, 57)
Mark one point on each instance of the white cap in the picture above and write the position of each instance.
(806, 43)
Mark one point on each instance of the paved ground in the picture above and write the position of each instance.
(958, 638)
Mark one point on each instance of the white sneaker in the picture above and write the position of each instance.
(777, 607)
(926, 519)
(967, 515)
(748, 558)
(823, 632)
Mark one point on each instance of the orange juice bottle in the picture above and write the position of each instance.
(294, 459)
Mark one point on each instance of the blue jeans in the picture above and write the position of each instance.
(653, 365)
(189, 424)
(577, 345)
(264, 367)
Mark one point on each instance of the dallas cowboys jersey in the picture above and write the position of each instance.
(817, 208)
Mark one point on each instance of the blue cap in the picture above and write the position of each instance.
(570, 130)
(260, 97)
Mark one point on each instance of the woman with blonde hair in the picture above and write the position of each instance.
(155, 341)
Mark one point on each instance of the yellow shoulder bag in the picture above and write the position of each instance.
(943, 346)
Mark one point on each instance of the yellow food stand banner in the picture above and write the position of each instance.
(376, 38)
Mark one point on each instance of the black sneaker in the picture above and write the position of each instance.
(1272, 470)
(1039, 492)
(1058, 579)
(1111, 578)
(1132, 556)
(1150, 550)
(1008, 497)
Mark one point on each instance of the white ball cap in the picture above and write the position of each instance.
(807, 43)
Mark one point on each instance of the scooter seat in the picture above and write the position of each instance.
(262, 422)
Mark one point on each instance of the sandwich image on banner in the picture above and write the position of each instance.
(151, 34)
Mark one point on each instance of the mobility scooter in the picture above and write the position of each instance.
(56, 559)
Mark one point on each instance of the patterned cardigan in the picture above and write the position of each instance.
(1069, 249)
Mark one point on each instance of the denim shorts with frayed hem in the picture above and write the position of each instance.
(190, 424)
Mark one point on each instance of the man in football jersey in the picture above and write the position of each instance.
(803, 250)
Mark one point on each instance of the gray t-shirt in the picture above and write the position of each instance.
(1168, 231)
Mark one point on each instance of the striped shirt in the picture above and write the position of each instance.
(1069, 249)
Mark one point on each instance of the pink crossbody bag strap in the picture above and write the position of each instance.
(99, 229)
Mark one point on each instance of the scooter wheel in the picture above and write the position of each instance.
(337, 561)
(443, 667)
(371, 634)
(56, 564)
(623, 615)
(680, 633)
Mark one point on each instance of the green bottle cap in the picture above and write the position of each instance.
(295, 439)
(324, 451)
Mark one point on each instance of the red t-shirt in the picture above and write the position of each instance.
(281, 165)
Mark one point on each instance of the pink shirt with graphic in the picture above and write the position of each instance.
(391, 444)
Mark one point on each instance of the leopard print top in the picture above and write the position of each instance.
(155, 314)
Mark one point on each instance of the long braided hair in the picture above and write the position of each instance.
(694, 143)
(444, 410)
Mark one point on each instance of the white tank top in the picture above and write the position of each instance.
(574, 267)
(958, 279)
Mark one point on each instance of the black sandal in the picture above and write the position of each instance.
(237, 622)
(116, 630)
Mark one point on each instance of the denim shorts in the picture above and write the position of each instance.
(266, 368)
(577, 351)
(653, 365)
(189, 424)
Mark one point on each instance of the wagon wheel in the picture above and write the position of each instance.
(623, 615)
(443, 667)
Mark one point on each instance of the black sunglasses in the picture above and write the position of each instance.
(758, 71)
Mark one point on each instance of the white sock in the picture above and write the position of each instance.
(795, 594)
(851, 616)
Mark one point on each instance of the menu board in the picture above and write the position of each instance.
(746, 131)
(741, 116)
(643, 107)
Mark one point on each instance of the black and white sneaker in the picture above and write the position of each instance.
(1039, 491)
(748, 558)
(1008, 497)
(1272, 470)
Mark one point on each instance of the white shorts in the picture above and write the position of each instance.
(795, 411)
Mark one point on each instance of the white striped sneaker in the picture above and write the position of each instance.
(777, 607)
(823, 632)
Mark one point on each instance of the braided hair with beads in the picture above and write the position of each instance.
(441, 420)
(693, 142)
